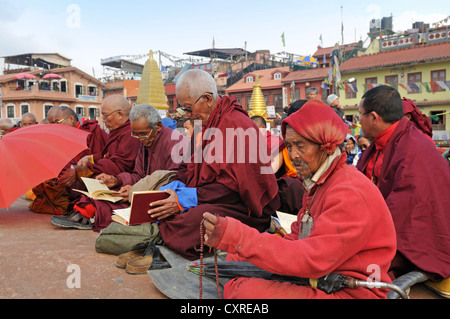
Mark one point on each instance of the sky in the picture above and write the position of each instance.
(88, 31)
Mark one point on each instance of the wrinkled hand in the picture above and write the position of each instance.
(109, 180)
(67, 178)
(210, 222)
(125, 192)
(84, 161)
(166, 207)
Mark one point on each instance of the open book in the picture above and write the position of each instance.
(286, 220)
(97, 190)
(137, 213)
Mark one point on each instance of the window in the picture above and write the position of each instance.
(93, 113)
(391, 79)
(350, 90)
(249, 79)
(47, 108)
(277, 76)
(79, 90)
(371, 83)
(63, 87)
(414, 78)
(79, 110)
(438, 76)
(437, 120)
(92, 90)
(11, 111)
(24, 108)
(278, 102)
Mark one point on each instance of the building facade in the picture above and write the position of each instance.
(68, 87)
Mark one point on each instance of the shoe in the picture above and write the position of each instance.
(441, 287)
(150, 260)
(73, 220)
(137, 251)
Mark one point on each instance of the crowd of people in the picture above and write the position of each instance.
(379, 198)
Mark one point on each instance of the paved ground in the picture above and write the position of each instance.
(39, 260)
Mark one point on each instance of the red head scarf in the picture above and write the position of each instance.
(421, 120)
(318, 123)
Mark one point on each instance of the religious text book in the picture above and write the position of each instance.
(137, 213)
(97, 190)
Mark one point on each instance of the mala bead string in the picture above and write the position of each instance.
(201, 264)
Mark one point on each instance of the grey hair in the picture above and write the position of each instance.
(199, 82)
(146, 111)
(310, 89)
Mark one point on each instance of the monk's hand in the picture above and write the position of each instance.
(214, 228)
(109, 180)
(125, 192)
(164, 208)
(67, 178)
(84, 161)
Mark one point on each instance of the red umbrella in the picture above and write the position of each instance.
(21, 76)
(34, 154)
(51, 76)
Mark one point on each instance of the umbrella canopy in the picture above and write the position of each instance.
(34, 154)
(21, 76)
(308, 60)
(51, 76)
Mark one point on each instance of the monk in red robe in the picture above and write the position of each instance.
(343, 227)
(96, 141)
(156, 152)
(118, 155)
(244, 188)
(413, 178)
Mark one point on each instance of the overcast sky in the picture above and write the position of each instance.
(88, 31)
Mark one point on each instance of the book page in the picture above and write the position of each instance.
(93, 185)
(124, 213)
(286, 220)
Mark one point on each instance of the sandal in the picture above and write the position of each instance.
(73, 220)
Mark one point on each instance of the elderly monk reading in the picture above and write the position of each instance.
(155, 153)
(413, 178)
(118, 155)
(222, 186)
(96, 141)
(343, 227)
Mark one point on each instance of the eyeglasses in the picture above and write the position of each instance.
(361, 114)
(141, 134)
(189, 109)
(104, 117)
(61, 120)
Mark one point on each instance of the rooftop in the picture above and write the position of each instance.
(414, 55)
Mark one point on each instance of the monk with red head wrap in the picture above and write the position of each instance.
(344, 225)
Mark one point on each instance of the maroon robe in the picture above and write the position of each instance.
(149, 159)
(236, 189)
(119, 153)
(415, 182)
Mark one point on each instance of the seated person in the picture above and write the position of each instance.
(155, 153)
(330, 235)
(414, 180)
(246, 190)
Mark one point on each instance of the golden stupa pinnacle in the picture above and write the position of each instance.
(257, 102)
(151, 88)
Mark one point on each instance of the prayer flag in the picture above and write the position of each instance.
(283, 40)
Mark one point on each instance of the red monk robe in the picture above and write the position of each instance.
(234, 189)
(149, 159)
(414, 179)
(95, 142)
(119, 153)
